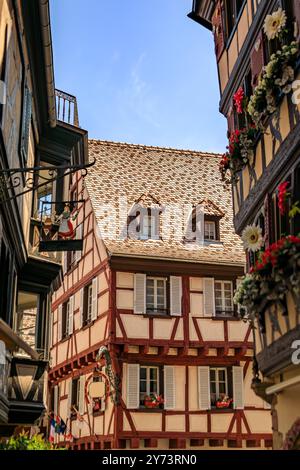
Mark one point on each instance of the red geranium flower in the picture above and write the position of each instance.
(238, 99)
(282, 196)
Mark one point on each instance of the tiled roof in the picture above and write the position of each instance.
(169, 177)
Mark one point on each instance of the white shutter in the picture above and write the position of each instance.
(204, 388)
(81, 308)
(169, 387)
(94, 299)
(55, 404)
(140, 293)
(79, 234)
(238, 387)
(81, 394)
(69, 403)
(133, 386)
(71, 315)
(175, 295)
(59, 323)
(65, 262)
(209, 297)
(238, 283)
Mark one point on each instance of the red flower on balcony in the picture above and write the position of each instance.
(283, 196)
(238, 99)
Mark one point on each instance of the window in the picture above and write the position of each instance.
(218, 384)
(149, 382)
(7, 283)
(65, 319)
(224, 298)
(149, 226)
(233, 9)
(87, 304)
(156, 295)
(209, 230)
(75, 395)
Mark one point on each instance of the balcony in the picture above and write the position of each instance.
(66, 108)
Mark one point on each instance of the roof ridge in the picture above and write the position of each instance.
(153, 147)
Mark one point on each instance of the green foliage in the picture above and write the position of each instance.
(24, 442)
(295, 210)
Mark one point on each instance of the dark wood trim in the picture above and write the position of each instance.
(166, 266)
(283, 162)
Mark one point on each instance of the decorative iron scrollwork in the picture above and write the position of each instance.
(31, 179)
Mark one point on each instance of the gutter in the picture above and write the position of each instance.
(48, 56)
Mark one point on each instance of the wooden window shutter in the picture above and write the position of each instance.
(175, 295)
(55, 401)
(230, 121)
(65, 262)
(69, 403)
(71, 316)
(59, 323)
(94, 299)
(204, 388)
(257, 58)
(238, 387)
(296, 9)
(81, 308)
(140, 293)
(208, 297)
(81, 394)
(133, 386)
(169, 388)
(268, 220)
(218, 29)
(79, 235)
(26, 120)
(238, 283)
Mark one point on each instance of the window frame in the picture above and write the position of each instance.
(224, 312)
(148, 380)
(154, 310)
(75, 400)
(87, 304)
(229, 32)
(217, 382)
(65, 319)
(210, 223)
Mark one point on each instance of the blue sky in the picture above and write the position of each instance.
(141, 70)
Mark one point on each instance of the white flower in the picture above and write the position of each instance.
(252, 238)
(275, 23)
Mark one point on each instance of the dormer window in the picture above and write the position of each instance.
(210, 230)
(149, 225)
(204, 223)
(143, 222)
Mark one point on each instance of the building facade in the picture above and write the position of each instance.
(257, 51)
(39, 143)
(147, 309)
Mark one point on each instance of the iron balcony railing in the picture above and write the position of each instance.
(66, 108)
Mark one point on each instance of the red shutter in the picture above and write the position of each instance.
(296, 8)
(218, 30)
(257, 59)
(268, 220)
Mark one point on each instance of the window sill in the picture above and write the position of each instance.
(157, 315)
(222, 410)
(98, 413)
(87, 325)
(225, 317)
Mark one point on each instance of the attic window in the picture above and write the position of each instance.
(204, 223)
(149, 225)
(210, 230)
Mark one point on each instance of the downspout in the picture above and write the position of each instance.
(48, 56)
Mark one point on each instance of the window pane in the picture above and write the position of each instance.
(222, 375)
(222, 388)
(153, 387)
(143, 386)
(153, 374)
(212, 374)
(143, 372)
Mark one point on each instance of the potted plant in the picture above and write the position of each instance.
(153, 400)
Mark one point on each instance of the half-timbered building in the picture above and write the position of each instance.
(153, 304)
(257, 52)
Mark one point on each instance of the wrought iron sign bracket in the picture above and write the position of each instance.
(31, 179)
